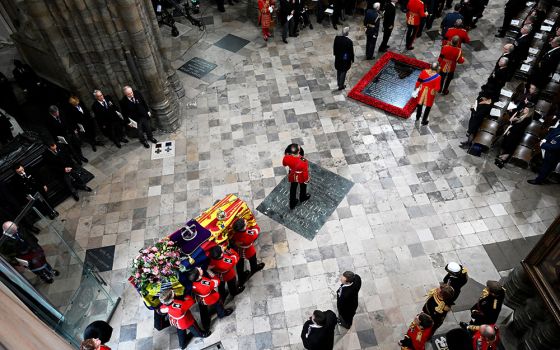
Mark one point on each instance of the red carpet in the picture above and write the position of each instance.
(383, 88)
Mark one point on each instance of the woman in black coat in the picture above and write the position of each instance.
(514, 133)
(480, 110)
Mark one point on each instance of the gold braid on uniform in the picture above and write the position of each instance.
(441, 305)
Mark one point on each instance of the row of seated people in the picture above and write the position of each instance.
(528, 126)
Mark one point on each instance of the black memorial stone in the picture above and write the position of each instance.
(231, 43)
(327, 190)
(216, 346)
(197, 67)
(101, 258)
(393, 84)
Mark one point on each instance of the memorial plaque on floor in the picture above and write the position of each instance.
(232, 43)
(197, 67)
(101, 258)
(389, 84)
(327, 190)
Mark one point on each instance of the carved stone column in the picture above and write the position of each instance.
(101, 44)
(518, 288)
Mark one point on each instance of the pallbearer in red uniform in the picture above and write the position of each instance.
(204, 289)
(222, 264)
(418, 333)
(243, 241)
(414, 16)
(428, 83)
(265, 16)
(449, 56)
(298, 173)
(180, 316)
(484, 337)
(457, 30)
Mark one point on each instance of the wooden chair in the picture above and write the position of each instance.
(535, 129)
(490, 126)
(483, 139)
(529, 141)
(522, 156)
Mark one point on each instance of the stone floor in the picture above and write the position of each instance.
(417, 202)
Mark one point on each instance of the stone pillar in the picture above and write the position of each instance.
(518, 288)
(101, 44)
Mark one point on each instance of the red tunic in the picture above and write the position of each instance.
(104, 347)
(428, 90)
(417, 336)
(265, 17)
(415, 12)
(179, 313)
(299, 168)
(244, 241)
(449, 57)
(481, 344)
(225, 267)
(205, 290)
(460, 32)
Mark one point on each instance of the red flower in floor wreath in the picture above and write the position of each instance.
(358, 92)
(163, 265)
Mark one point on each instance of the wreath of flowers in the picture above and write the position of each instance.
(157, 264)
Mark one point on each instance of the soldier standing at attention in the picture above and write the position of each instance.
(298, 173)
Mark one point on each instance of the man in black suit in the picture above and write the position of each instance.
(547, 65)
(507, 52)
(134, 107)
(388, 24)
(497, 79)
(27, 184)
(318, 331)
(512, 8)
(79, 114)
(109, 118)
(522, 45)
(60, 126)
(347, 298)
(64, 166)
(343, 51)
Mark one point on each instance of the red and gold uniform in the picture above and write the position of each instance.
(205, 290)
(299, 168)
(418, 337)
(460, 32)
(449, 57)
(225, 267)
(480, 343)
(265, 17)
(179, 312)
(429, 83)
(415, 12)
(244, 241)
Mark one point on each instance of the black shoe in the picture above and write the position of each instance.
(425, 122)
(335, 27)
(55, 272)
(84, 159)
(124, 140)
(341, 87)
(500, 35)
(382, 49)
(206, 334)
(145, 144)
(118, 145)
(153, 140)
(465, 144)
(222, 10)
(284, 40)
(293, 205)
(87, 189)
(34, 229)
(410, 48)
(310, 26)
(52, 216)
(49, 281)
(239, 290)
(260, 266)
(93, 148)
(228, 312)
(307, 196)
(534, 182)
(499, 163)
(75, 196)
